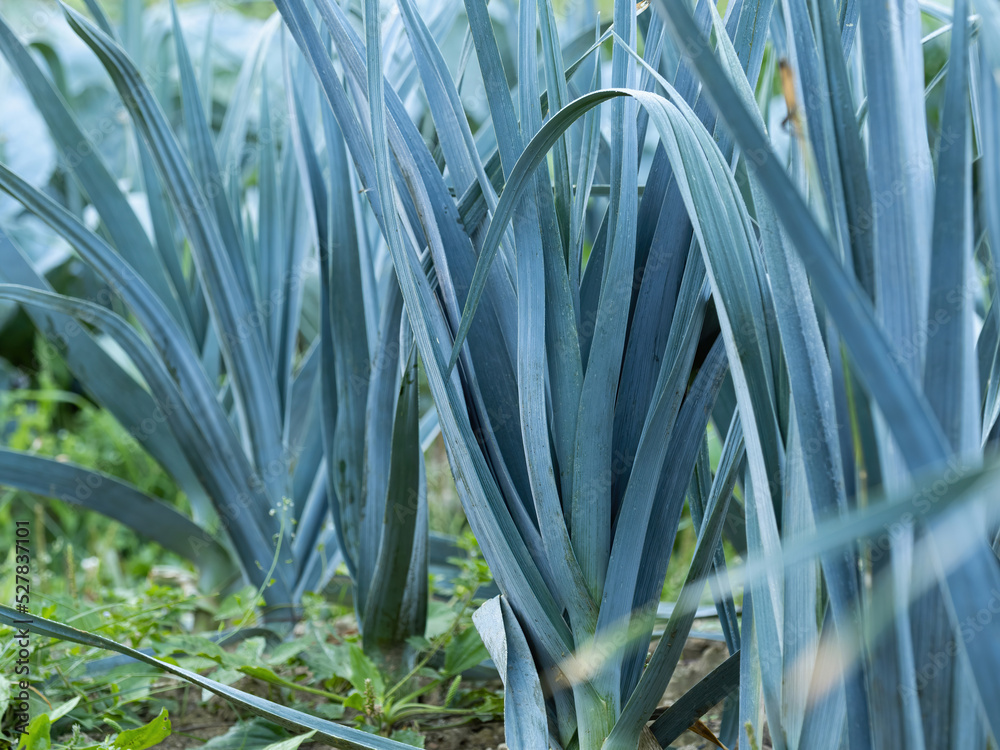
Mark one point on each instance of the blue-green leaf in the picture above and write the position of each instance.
(233, 311)
(384, 625)
(116, 499)
(83, 158)
(524, 707)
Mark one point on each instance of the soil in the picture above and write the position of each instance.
(199, 721)
(697, 660)
(486, 736)
(202, 722)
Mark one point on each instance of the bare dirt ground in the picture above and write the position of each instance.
(698, 659)
(199, 722)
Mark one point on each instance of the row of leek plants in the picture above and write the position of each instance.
(788, 298)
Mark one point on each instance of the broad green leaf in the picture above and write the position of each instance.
(364, 671)
(146, 736)
(408, 736)
(38, 736)
(464, 651)
(64, 708)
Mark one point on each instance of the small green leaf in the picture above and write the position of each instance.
(363, 668)
(466, 650)
(285, 652)
(418, 643)
(254, 733)
(409, 736)
(236, 604)
(4, 696)
(60, 711)
(355, 701)
(191, 645)
(264, 674)
(331, 711)
(146, 736)
(37, 737)
(328, 660)
(440, 616)
(250, 651)
(292, 743)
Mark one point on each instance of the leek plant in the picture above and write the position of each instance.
(891, 374)
(297, 451)
(576, 417)
(574, 502)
